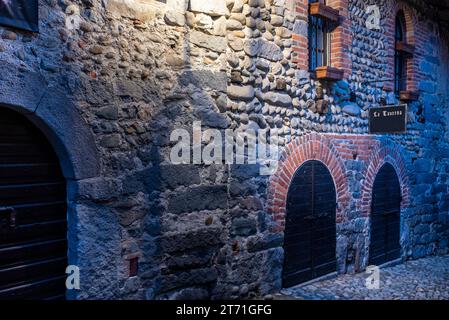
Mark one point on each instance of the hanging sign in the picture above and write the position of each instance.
(388, 119)
(21, 14)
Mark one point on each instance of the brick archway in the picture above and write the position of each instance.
(385, 153)
(310, 147)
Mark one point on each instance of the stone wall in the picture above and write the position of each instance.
(135, 70)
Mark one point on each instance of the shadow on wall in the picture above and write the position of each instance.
(179, 234)
(126, 200)
(194, 242)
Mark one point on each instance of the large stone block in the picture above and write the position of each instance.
(214, 43)
(210, 7)
(241, 189)
(264, 242)
(263, 49)
(158, 178)
(245, 171)
(128, 88)
(192, 260)
(188, 278)
(300, 28)
(174, 18)
(199, 198)
(241, 92)
(271, 270)
(351, 109)
(141, 10)
(97, 189)
(199, 238)
(243, 226)
(94, 241)
(204, 79)
(251, 203)
(211, 118)
(278, 99)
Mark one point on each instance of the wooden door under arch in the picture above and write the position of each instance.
(310, 229)
(385, 217)
(33, 213)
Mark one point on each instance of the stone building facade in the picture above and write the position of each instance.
(108, 81)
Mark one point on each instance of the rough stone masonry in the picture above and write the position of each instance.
(134, 70)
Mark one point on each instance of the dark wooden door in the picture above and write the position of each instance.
(33, 224)
(310, 229)
(385, 217)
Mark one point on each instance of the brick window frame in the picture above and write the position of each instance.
(410, 36)
(341, 37)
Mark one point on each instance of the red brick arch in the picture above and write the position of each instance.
(411, 23)
(385, 153)
(296, 153)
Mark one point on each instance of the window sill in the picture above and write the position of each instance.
(328, 73)
(320, 10)
(407, 49)
(408, 96)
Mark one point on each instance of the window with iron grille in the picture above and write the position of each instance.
(319, 42)
(400, 67)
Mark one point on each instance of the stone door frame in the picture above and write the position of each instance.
(52, 112)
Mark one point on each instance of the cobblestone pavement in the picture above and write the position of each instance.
(424, 279)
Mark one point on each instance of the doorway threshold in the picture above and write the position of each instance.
(391, 263)
(328, 276)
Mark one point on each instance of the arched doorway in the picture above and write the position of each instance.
(385, 217)
(33, 219)
(310, 229)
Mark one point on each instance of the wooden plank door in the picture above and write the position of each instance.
(310, 230)
(33, 222)
(385, 217)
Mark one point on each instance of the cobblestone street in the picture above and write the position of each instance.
(424, 279)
